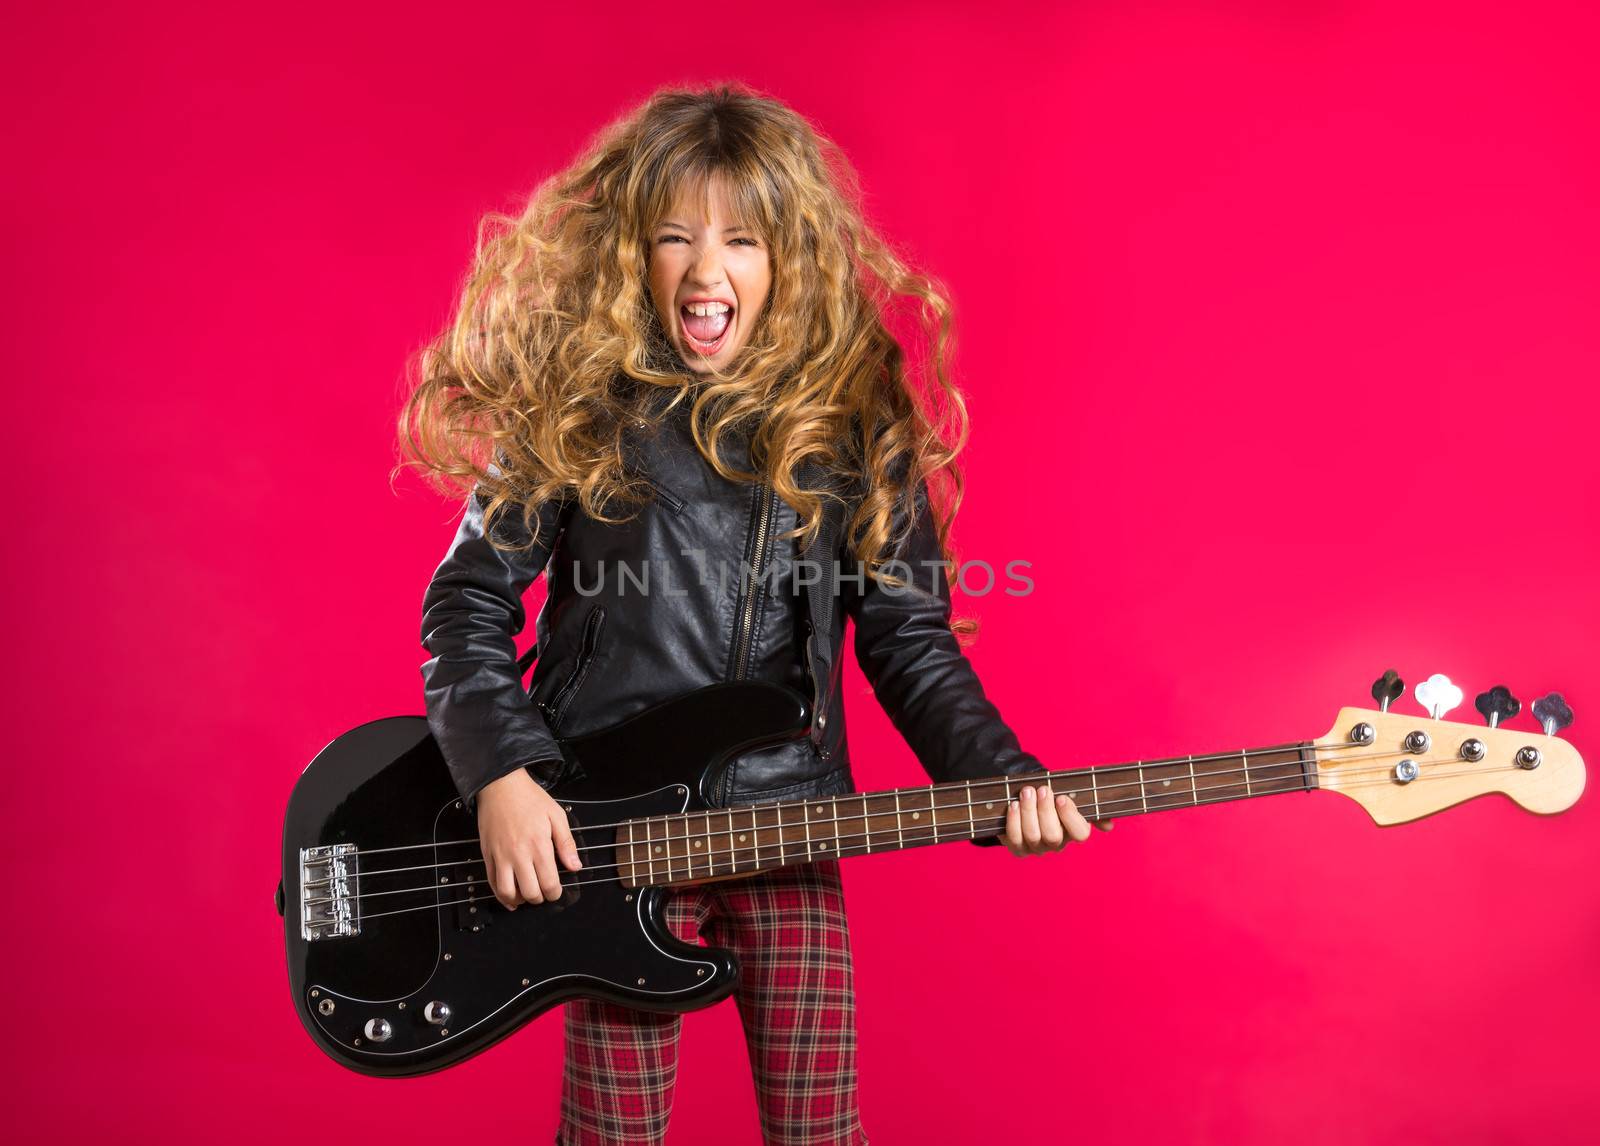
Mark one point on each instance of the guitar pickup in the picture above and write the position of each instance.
(473, 914)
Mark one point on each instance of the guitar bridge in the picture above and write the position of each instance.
(330, 904)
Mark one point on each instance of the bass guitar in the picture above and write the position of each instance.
(402, 962)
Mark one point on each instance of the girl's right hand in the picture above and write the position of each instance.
(522, 829)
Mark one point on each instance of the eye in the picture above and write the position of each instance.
(752, 242)
(671, 238)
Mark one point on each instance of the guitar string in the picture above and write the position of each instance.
(957, 785)
(1027, 778)
(743, 810)
(1099, 770)
(487, 897)
(670, 861)
(1381, 777)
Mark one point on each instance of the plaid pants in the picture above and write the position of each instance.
(796, 1002)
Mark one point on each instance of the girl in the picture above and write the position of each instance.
(669, 380)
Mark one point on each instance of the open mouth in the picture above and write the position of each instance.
(705, 333)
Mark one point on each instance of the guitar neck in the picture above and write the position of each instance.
(695, 847)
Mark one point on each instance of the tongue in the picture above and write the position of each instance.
(708, 328)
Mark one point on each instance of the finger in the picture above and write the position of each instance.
(544, 865)
(1030, 820)
(566, 846)
(1077, 827)
(1013, 835)
(503, 881)
(1051, 834)
(1105, 825)
(528, 878)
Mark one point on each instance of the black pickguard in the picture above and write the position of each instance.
(429, 934)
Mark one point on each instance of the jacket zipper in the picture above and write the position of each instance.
(559, 704)
(749, 605)
(750, 602)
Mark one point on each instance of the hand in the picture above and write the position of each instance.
(521, 830)
(1036, 823)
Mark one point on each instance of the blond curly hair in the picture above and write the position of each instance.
(556, 347)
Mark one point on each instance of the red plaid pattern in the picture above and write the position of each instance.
(795, 998)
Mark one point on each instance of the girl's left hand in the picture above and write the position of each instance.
(1038, 822)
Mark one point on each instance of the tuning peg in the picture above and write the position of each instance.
(1437, 695)
(1387, 689)
(1552, 712)
(1497, 704)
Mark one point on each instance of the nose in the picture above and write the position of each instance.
(706, 271)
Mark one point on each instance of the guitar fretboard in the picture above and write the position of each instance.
(716, 844)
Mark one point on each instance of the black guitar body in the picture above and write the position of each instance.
(401, 962)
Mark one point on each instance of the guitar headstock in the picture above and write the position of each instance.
(1402, 767)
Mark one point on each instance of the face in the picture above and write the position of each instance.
(708, 280)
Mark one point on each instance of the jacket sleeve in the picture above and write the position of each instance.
(478, 711)
(919, 672)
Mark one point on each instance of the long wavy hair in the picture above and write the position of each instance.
(556, 346)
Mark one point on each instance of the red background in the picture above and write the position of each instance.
(1278, 323)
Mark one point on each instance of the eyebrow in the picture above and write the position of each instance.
(725, 230)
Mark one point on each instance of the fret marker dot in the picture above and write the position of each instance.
(990, 804)
(1166, 783)
(741, 839)
(697, 843)
(658, 851)
(824, 847)
(916, 815)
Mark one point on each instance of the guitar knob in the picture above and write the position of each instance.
(1552, 712)
(378, 1030)
(1497, 704)
(437, 1013)
(1387, 688)
(1437, 695)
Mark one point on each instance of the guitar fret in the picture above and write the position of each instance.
(1144, 799)
(673, 842)
(747, 838)
(688, 853)
(704, 842)
(1194, 789)
(899, 824)
(1244, 759)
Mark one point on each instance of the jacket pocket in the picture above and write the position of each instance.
(834, 782)
(664, 495)
(557, 708)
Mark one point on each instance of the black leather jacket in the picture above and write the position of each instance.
(695, 589)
